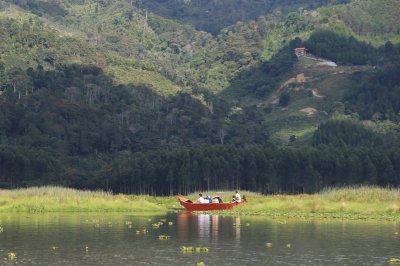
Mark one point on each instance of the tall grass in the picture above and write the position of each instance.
(59, 199)
(54, 192)
(361, 194)
(363, 202)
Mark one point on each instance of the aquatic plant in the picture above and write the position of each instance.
(157, 225)
(164, 237)
(12, 255)
(185, 249)
(394, 261)
(269, 245)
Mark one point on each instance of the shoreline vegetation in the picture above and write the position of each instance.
(357, 203)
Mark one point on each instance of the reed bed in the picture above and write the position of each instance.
(60, 199)
(361, 202)
(364, 202)
(361, 194)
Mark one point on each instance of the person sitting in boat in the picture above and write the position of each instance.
(208, 199)
(233, 199)
(237, 197)
(217, 199)
(201, 199)
(244, 198)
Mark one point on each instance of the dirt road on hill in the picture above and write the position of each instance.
(308, 74)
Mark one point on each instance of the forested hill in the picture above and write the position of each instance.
(212, 16)
(173, 96)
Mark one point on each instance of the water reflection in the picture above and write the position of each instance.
(183, 222)
(214, 226)
(237, 226)
(206, 227)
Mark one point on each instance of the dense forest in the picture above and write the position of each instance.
(124, 96)
(167, 172)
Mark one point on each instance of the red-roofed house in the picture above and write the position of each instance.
(300, 51)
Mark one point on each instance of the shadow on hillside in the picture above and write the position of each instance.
(259, 81)
(77, 110)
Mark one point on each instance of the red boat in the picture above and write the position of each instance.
(190, 206)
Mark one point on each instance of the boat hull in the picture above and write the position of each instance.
(206, 206)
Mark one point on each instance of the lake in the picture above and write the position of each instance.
(127, 239)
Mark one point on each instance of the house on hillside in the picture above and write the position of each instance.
(301, 51)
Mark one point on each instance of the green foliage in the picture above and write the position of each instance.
(255, 168)
(105, 94)
(377, 94)
(24, 167)
(284, 99)
(52, 8)
(341, 49)
(262, 79)
(370, 17)
(67, 104)
(345, 132)
(212, 16)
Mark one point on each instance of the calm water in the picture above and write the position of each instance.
(119, 240)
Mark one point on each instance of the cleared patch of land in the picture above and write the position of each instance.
(313, 89)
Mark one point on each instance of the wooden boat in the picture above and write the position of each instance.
(190, 206)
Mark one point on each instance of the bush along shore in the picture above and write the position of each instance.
(362, 203)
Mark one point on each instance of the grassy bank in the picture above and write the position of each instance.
(58, 199)
(349, 203)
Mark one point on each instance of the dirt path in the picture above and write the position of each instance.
(309, 73)
(316, 93)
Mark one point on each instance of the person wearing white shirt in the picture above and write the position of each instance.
(201, 199)
(237, 197)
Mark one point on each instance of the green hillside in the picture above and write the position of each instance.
(133, 95)
(212, 16)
